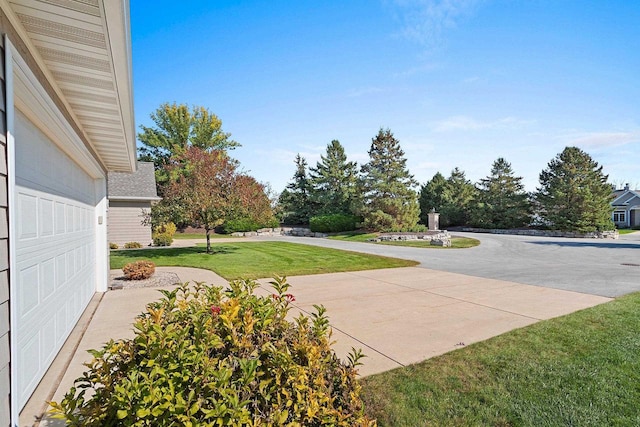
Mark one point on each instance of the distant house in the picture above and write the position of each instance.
(626, 208)
(130, 198)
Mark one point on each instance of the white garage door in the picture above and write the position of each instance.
(55, 251)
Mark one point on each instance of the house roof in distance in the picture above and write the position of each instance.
(138, 185)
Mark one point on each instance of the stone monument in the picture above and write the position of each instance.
(434, 220)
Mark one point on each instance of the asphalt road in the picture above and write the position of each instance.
(600, 267)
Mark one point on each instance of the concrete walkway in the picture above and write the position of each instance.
(396, 316)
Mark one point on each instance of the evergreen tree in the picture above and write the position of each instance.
(295, 201)
(389, 199)
(501, 200)
(433, 195)
(334, 181)
(574, 194)
(461, 193)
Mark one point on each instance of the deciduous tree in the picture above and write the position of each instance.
(204, 185)
(177, 127)
(390, 201)
(574, 194)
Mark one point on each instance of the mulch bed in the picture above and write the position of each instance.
(158, 280)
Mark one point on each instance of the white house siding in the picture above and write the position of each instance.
(55, 266)
(125, 222)
(5, 352)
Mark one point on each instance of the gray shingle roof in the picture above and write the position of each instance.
(140, 184)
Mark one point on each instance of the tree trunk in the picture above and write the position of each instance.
(208, 230)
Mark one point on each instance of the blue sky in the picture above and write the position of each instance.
(459, 82)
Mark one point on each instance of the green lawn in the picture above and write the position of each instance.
(578, 370)
(456, 242)
(626, 231)
(253, 260)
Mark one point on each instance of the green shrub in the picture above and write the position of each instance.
(113, 246)
(204, 356)
(333, 223)
(139, 270)
(163, 234)
(132, 245)
(162, 239)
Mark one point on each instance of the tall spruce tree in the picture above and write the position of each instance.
(433, 195)
(574, 194)
(390, 201)
(501, 201)
(295, 202)
(334, 181)
(461, 193)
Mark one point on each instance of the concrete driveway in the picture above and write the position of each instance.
(600, 267)
(402, 316)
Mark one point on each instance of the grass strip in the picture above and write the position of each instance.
(255, 260)
(582, 369)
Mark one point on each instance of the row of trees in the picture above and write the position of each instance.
(382, 191)
(573, 195)
(200, 183)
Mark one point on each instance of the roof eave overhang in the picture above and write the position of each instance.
(133, 198)
(102, 113)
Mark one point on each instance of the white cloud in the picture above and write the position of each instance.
(466, 123)
(425, 20)
(597, 140)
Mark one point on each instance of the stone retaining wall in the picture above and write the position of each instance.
(437, 238)
(613, 234)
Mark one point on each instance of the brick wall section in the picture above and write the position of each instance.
(4, 255)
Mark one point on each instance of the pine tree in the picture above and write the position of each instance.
(389, 199)
(574, 194)
(295, 201)
(433, 195)
(501, 201)
(461, 193)
(334, 181)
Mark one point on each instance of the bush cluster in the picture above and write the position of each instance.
(163, 234)
(139, 270)
(333, 223)
(132, 245)
(113, 245)
(204, 356)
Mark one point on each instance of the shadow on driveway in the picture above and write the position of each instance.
(601, 245)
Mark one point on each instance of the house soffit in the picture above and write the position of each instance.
(84, 49)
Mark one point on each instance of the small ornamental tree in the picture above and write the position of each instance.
(574, 194)
(254, 208)
(501, 201)
(390, 201)
(204, 356)
(202, 183)
(334, 182)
